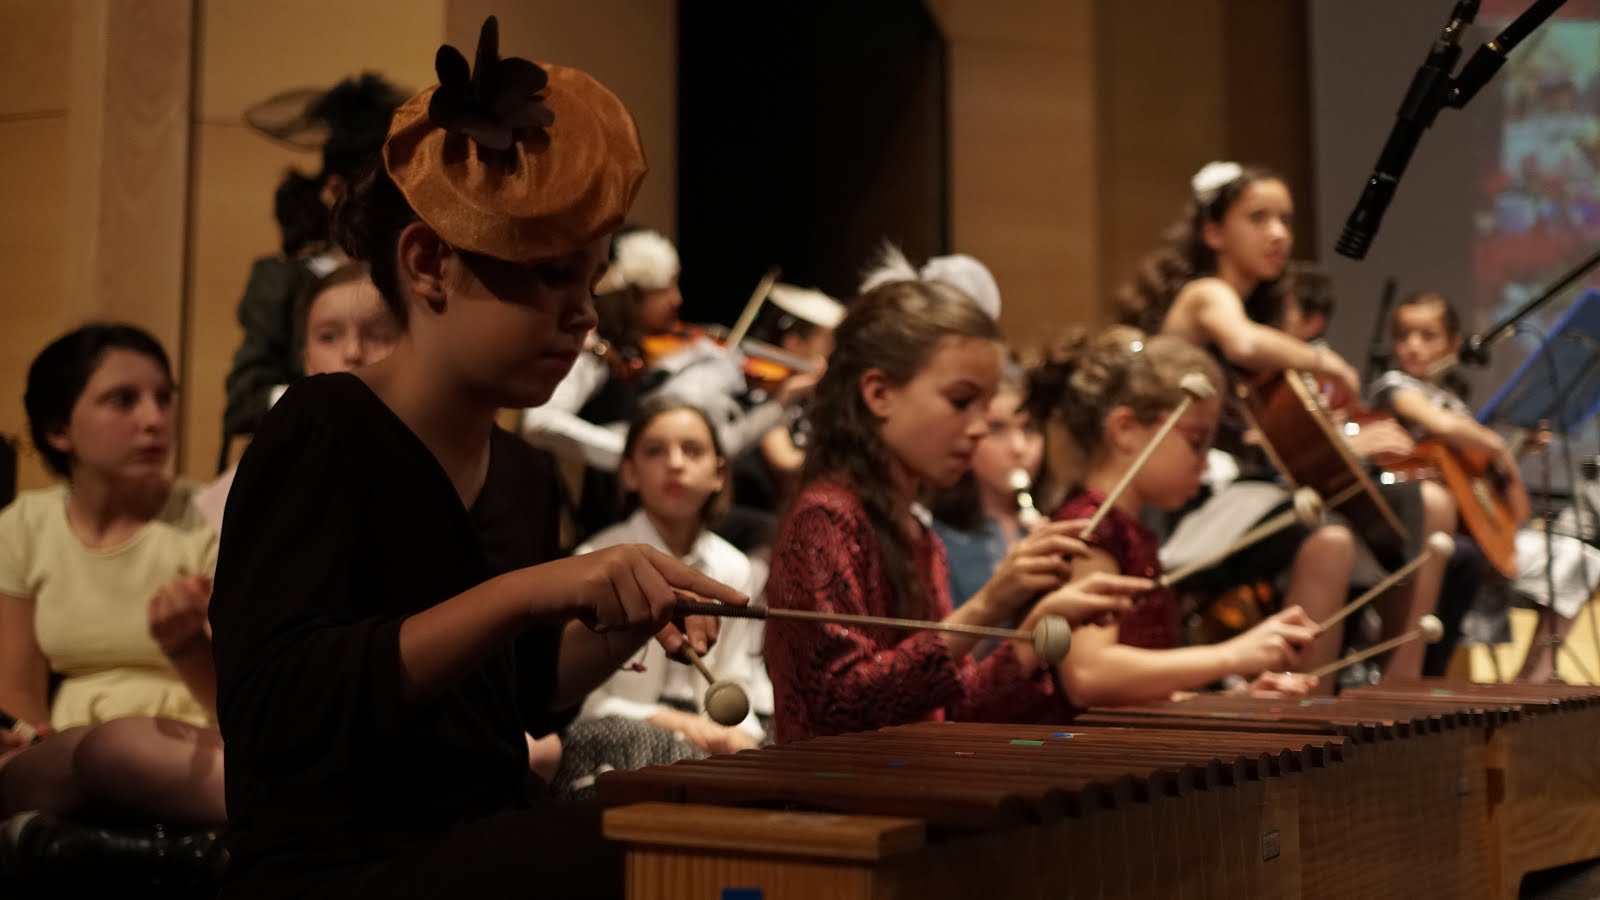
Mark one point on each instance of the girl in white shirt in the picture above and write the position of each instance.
(675, 480)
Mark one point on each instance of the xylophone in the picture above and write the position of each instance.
(1429, 790)
(940, 810)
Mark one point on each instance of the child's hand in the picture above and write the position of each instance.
(178, 613)
(1037, 564)
(700, 632)
(1281, 684)
(1272, 645)
(1344, 383)
(1098, 598)
(702, 732)
(11, 744)
(1383, 440)
(798, 387)
(630, 587)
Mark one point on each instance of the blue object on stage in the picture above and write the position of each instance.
(1565, 394)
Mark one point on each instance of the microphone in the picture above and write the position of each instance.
(1429, 91)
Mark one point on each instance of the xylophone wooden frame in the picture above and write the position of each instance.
(1427, 790)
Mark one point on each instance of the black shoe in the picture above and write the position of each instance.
(38, 849)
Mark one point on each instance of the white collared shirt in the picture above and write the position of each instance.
(737, 657)
(705, 376)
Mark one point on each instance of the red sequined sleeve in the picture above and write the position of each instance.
(1001, 689)
(830, 679)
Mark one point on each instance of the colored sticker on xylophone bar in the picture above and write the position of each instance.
(742, 894)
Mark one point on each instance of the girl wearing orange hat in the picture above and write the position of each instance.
(377, 660)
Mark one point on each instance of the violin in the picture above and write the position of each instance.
(764, 365)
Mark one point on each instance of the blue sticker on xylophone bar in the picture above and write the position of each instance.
(741, 894)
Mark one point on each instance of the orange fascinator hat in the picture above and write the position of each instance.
(512, 159)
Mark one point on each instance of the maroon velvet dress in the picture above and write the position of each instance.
(1153, 621)
(830, 679)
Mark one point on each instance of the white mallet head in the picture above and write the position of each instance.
(1432, 629)
(1441, 545)
(1308, 509)
(1052, 638)
(726, 703)
(1197, 386)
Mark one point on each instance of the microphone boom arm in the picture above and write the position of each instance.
(1433, 88)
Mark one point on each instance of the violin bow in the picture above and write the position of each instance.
(751, 307)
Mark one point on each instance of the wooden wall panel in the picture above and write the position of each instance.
(33, 254)
(235, 171)
(631, 46)
(1267, 86)
(34, 51)
(127, 162)
(1023, 191)
(34, 42)
(1162, 117)
(248, 52)
(1075, 127)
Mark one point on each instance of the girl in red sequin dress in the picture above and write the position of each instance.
(1114, 391)
(900, 409)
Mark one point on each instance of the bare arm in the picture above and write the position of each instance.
(24, 671)
(194, 666)
(1452, 427)
(1099, 670)
(1464, 431)
(178, 624)
(1102, 672)
(1218, 314)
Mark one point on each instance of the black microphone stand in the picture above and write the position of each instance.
(1432, 89)
(1475, 349)
(1378, 347)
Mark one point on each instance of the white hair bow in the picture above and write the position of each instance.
(1213, 177)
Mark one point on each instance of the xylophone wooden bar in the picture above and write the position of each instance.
(1411, 770)
(1543, 769)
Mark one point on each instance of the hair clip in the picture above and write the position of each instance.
(1212, 178)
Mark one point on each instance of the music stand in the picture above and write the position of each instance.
(1557, 386)
(1560, 382)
